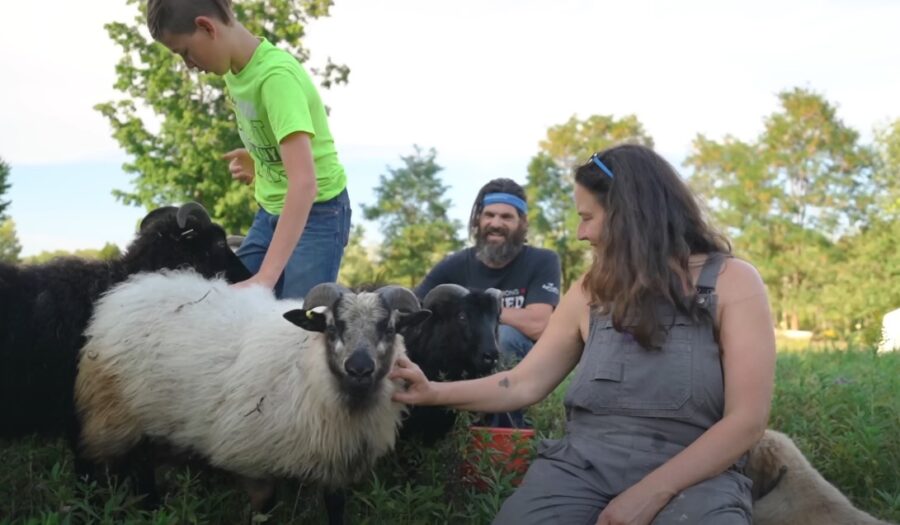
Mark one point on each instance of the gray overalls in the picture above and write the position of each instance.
(629, 411)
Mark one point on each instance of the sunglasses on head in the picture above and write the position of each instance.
(595, 158)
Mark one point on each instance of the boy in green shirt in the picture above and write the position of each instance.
(298, 236)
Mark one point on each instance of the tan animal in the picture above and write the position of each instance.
(787, 490)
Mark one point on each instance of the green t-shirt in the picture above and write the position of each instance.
(273, 96)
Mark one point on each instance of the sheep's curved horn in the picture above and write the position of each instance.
(325, 294)
(155, 215)
(399, 298)
(192, 209)
(441, 291)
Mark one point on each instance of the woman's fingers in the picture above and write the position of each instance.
(404, 373)
(404, 362)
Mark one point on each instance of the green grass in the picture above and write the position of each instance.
(841, 407)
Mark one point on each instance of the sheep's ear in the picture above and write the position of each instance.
(307, 319)
(413, 318)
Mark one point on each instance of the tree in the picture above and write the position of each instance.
(413, 214)
(551, 215)
(9, 242)
(866, 282)
(358, 266)
(789, 196)
(109, 252)
(4, 187)
(181, 160)
(888, 172)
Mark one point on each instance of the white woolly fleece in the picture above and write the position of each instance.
(219, 371)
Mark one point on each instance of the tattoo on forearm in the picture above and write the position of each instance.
(504, 382)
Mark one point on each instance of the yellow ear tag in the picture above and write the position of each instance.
(309, 314)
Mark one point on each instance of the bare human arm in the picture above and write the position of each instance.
(554, 355)
(531, 320)
(296, 153)
(542, 296)
(748, 361)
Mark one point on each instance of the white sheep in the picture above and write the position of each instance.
(787, 490)
(226, 374)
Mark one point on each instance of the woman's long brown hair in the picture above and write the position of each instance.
(653, 225)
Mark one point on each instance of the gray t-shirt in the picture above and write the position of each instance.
(532, 277)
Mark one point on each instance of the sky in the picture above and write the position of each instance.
(480, 81)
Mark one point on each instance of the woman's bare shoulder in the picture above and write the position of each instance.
(738, 280)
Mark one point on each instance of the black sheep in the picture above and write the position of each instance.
(45, 308)
(458, 341)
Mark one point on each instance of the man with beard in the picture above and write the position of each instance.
(527, 277)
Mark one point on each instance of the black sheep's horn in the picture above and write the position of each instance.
(443, 290)
(495, 293)
(399, 298)
(156, 215)
(192, 209)
(325, 294)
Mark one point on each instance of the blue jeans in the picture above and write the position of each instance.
(316, 258)
(513, 347)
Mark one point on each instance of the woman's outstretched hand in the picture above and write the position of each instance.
(419, 390)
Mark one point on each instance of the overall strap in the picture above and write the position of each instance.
(706, 285)
(710, 272)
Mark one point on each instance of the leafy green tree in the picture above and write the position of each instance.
(176, 153)
(864, 284)
(9, 242)
(551, 215)
(866, 277)
(788, 196)
(412, 212)
(358, 266)
(888, 172)
(109, 252)
(4, 187)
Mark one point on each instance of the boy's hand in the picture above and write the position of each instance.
(240, 164)
(256, 280)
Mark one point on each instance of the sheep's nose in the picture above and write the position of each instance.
(360, 365)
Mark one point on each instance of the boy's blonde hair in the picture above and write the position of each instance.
(177, 16)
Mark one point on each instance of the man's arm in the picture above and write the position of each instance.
(542, 298)
(530, 320)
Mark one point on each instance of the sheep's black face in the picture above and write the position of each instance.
(199, 244)
(479, 318)
(471, 322)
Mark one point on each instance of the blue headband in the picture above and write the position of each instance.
(505, 198)
(595, 158)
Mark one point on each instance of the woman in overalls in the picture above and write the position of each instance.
(675, 349)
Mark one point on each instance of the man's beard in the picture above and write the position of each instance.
(499, 254)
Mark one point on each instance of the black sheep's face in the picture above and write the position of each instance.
(475, 319)
(483, 314)
(199, 244)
